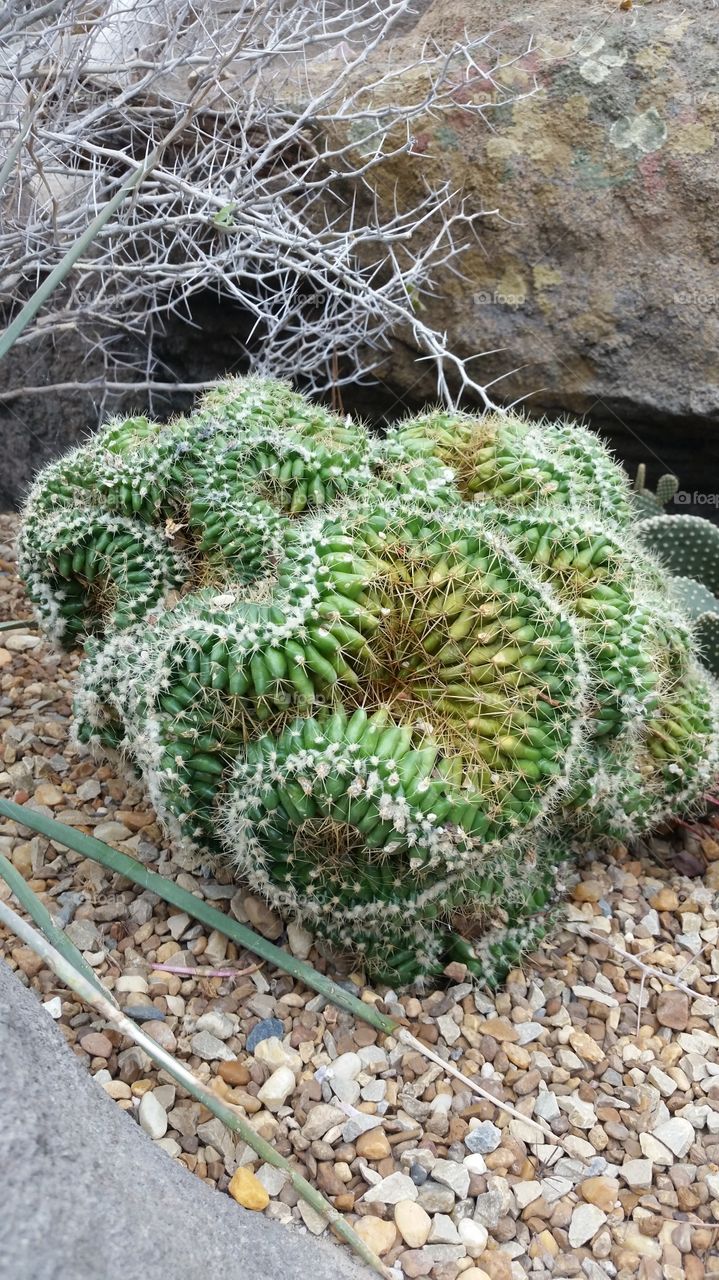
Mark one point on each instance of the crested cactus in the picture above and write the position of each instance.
(391, 682)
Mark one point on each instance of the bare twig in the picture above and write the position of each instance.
(405, 1037)
(284, 121)
(205, 971)
(647, 969)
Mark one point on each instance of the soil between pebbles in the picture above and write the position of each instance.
(623, 1066)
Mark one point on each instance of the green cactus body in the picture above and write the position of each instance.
(517, 462)
(391, 682)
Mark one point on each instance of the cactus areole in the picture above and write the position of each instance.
(393, 682)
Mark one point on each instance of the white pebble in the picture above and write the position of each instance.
(152, 1116)
(277, 1089)
(473, 1235)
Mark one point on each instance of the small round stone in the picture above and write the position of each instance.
(152, 1116)
(413, 1223)
(474, 1236)
(376, 1233)
(373, 1145)
(247, 1190)
(96, 1044)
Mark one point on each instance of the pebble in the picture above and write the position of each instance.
(484, 1138)
(600, 1191)
(273, 1053)
(313, 1220)
(489, 1209)
(320, 1120)
(473, 1235)
(234, 1072)
(218, 1024)
(585, 1223)
(434, 1197)
(416, 1262)
(18, 642)
(673, 1010)
(112, 832)
(263, 1030)
(300, 941)
(391, 1190)
(637, 1174)
(208, 1047)
(96, 1044)
(580, 1114)
(277, 1088)
(413, 1223)
(359, 1123)
(654, 1150)
(247, 1190)
(272, 1179)
(379, 1235)
(152, 1116)
(443, 1230)
(83, 933)
(373, 1145)
(48, 794)
(262, 918)
(453, 1175)
(676, 1134)
(162, 1034)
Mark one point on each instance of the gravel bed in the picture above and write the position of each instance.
(621, 1063)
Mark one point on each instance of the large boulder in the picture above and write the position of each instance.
(596, 279)
(85, 1194)
(592, 287)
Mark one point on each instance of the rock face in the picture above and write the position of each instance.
(597, 277)
(72, 1160)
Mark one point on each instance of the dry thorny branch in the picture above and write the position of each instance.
(268, 197)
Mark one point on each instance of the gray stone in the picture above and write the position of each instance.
(443, 1230)
(73, 1159)
(485, 1137)
(453, 1175)
(272, 1179)
(357, 1124)
(321, 1119)
(585, 1223)
(398, 1186)
(677, 1134)
(445, 1252)
(84, 934)
(208, 1047)
(435, 1198)
(218, 1024)
(489, 1209)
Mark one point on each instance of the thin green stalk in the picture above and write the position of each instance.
(44, 921)
(238, 1124)
(123, 865)
(15, 623)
